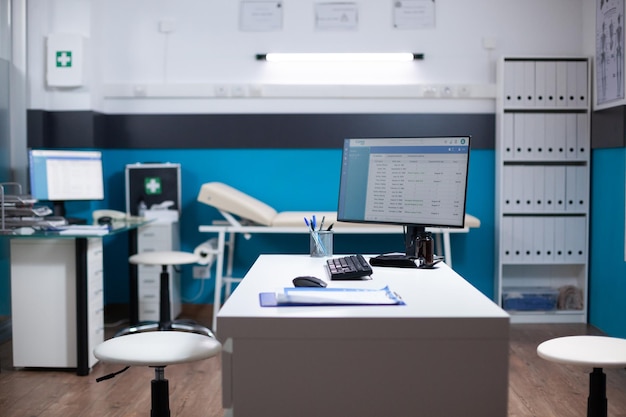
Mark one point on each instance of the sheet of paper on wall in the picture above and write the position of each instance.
(336, 16)
(260, 16)
(414, 14)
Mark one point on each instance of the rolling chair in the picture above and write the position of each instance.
(597, 352)
(165, 259)
(156, 350)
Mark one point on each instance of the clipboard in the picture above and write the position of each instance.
(310, 296)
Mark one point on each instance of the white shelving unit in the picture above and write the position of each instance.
(159, 236)
(542, 188)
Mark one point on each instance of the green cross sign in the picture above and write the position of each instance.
(64, 59)
(152, 185)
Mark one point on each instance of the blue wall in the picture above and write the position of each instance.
(308, 179)
(287, 180)
(607, 267)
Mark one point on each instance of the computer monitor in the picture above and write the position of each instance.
(417, 182)
(63, 175)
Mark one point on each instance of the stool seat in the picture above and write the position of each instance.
(597, 352)
(594, 351)
(159, 348)
(164, 258)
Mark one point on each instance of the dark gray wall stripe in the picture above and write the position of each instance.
(607, 128)
(149, 131)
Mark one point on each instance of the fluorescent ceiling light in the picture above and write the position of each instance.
(340, 57)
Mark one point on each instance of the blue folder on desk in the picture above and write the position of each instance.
(308, 296)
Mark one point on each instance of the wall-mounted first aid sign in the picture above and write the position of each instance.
(64, 61)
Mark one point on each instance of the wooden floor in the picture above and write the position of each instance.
(536, 387)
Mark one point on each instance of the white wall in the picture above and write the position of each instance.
(133, 67)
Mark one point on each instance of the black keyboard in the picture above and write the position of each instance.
(348, 267)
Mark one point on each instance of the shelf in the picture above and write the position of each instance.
(542, 182)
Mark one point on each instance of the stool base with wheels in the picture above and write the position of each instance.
(597, 352)
(157, 350)
(165, 259)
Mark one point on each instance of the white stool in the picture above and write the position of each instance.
(597, 352)
(165, 259)
(157, 350)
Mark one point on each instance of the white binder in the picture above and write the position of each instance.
(517, 239)
(508, 187)
(550, 75)
(550, 137)
(529, 84)
(540, 135)
(528, 189)
(548, 239)
(507, 137)
(518, 188)
(539, 240)
(529, 151)
(582, 135)
(519, 137)
(506, 245)
(582, 189)
(559, 239)
(571, 136)
(529, 239)
(575, 239)
(561, 84)
(571, 192)
(510, 82)
(549, 189)
(539, 179)
(581, 84)
(572, 84)
(540, 83)
(518, 94)
(559, 188)
(559, 136)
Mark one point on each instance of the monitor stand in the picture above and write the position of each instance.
(417, 240)
(58, 208)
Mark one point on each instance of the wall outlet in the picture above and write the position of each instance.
(221, 90)
(201, 272)
(238, 90)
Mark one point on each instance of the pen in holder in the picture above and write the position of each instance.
(321, 243)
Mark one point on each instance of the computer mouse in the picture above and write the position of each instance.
(307, 281)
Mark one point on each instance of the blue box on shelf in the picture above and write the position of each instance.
(530, 298)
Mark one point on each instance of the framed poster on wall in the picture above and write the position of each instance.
(609, 59)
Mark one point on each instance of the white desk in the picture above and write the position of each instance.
(444, 353)
(224, 265)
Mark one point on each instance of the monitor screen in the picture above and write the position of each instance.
(417, 182)
(60, 175)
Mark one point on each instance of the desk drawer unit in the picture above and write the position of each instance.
(151, 238)
(44, 301)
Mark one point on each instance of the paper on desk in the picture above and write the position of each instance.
(83, 230)
(307, 296)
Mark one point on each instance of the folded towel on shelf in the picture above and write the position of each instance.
(570, 298)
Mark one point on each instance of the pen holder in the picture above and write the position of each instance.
(321, 243)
